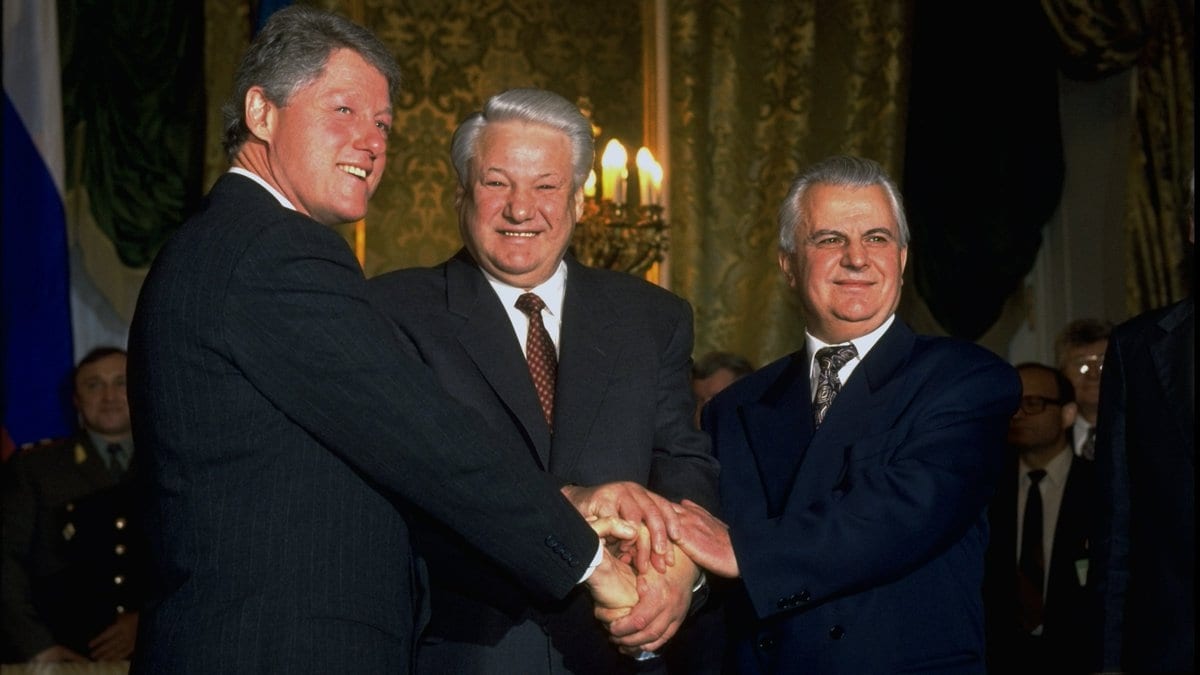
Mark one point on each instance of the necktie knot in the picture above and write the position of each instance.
(530, 303)
(829, 360)
(1036, 476)
(115, 452)
(1088, 450)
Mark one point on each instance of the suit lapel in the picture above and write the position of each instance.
(861, 409)
(779, 428)
(858, 411)
(487, 337)
(1170, 351)
(1070, 531)
(587, 358)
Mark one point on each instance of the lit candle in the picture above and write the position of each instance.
(589, 188)
(622, 183)
(649, 177)
(612, 163)
(656, 181)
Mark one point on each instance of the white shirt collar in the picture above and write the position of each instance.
(863, 345)
(1056, 469)
(551, 291)
(258, 179)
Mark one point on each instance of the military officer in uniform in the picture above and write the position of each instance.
(73, 559)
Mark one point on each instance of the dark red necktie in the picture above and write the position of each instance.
(539, 352)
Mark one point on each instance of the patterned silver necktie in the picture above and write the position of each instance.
(830, 360)
(1088, 449)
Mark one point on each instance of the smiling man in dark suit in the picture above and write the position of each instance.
(285, 436)
(613, 415)
(855, 473)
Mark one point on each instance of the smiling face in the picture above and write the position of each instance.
(520, 207)
(848, 262)
(326, 149)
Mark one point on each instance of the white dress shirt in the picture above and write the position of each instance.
(862, 344)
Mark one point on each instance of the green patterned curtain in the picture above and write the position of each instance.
(759, 90)
(1156, 37)
(133, 109)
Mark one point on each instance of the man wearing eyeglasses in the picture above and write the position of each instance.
(1037, 561)
(1079, 351)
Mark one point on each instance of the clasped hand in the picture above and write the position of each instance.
(643, 587)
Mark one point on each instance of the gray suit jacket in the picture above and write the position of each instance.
(623, 412)
(287, 439)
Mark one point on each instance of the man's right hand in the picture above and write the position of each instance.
(705, 539)
(56, 654)
(613, 586)
(635, 504)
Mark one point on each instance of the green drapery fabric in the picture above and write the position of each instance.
(133, 96)
(759, 90)
(1156, 37)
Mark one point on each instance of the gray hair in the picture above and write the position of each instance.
(533, 106)
(291, 51)
(842, 170)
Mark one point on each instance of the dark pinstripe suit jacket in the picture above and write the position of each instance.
(285, 437)
(623, 411)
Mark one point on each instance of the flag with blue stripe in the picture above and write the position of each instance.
(36, 334)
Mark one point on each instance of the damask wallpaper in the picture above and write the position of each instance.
(454, 54)
(758, 91)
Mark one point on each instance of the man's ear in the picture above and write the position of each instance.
(579, 200)
(260, 114)
(787, 268)
(1069, 411)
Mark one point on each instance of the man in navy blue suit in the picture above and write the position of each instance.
(856, 471)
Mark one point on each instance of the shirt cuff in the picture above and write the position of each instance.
(596, 560)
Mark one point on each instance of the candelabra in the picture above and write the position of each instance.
(614, 234)
(617, 237)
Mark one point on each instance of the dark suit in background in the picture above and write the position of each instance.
(622, 413)
(861, 543)
(290, 436)
(1144, 564)
(1062, 646)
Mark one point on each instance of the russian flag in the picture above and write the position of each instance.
(36, 311)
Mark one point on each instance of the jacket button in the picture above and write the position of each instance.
(836, 632)
(766, 643)
(551, 541)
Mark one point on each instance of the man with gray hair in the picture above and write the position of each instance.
(1079, 352)
(855, 472)
(285, 438)
(586, 369)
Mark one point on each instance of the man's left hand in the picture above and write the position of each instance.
(663, 602)
(115, 643)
